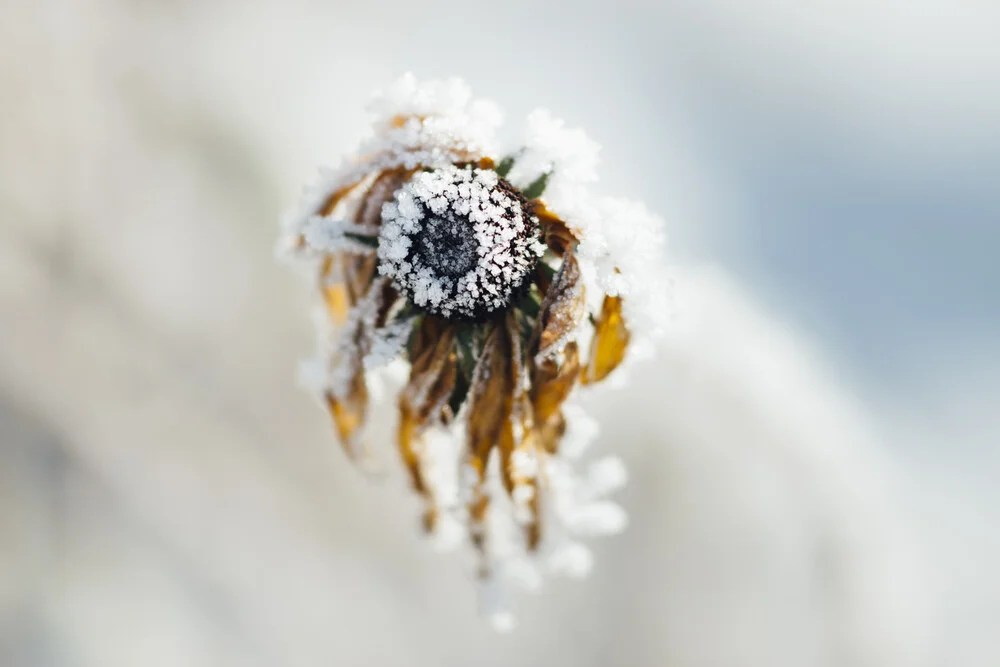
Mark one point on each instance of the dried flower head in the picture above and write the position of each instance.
(505, 286)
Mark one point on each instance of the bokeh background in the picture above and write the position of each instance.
(814, 452)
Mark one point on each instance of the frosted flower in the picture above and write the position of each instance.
(506, 287)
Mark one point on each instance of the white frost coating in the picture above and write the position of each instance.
(440, 455)
(388, 342)
(433, 209)
(417, 124)
(621, 253)
(549, 147)
(448, 98)
(313, 197)
(573, 495)
(621, 241)
(327, 235)
(385, 381)
(581, 431)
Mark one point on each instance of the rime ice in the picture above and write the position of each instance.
(458, 242)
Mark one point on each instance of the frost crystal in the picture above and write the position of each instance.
(325, 235)
(621, 241)
(458, 242)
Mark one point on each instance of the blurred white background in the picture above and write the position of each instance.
(814, 454)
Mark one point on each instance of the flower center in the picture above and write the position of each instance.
(447, 245)
(458, 242)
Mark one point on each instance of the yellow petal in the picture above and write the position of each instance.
(611, 338)
(349, 413)
(335, 198)
(335, 297)
(554, 380)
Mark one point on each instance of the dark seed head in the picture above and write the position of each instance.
(459, 242)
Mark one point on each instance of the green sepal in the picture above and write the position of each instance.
(537, 187)
(505, 166)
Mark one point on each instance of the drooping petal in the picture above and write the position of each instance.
(347, 394)
(518, 452)
(554, 380)
(432, 380)
(558, 236)
(334, 235)
(369, 215)
(611, 338)
(334, 292)
(489, 407)
(561, 311)
(349, 411)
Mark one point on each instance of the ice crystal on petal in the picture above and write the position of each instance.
(326, 235)
(388, 342)
(417, 124)
(549, 147)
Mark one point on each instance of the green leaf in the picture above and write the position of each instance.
(459, 394)
(465, 350)
(530, 303)
(537, 187)
(547, 269)
(505, 166)
(370, 241)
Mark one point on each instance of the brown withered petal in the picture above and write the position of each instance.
(489, 396)
(334, 293)
(338, 196)
(342, 293)
(432, 379)
(518, 437)
(348, 413)
(550, 433)
(348, 407)
(558, 237)
(554, 379)
(356, 270)
(611, 338)
(561, 310)
(489, 407)
(358, 273)
(516, 431)
(369, 213)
